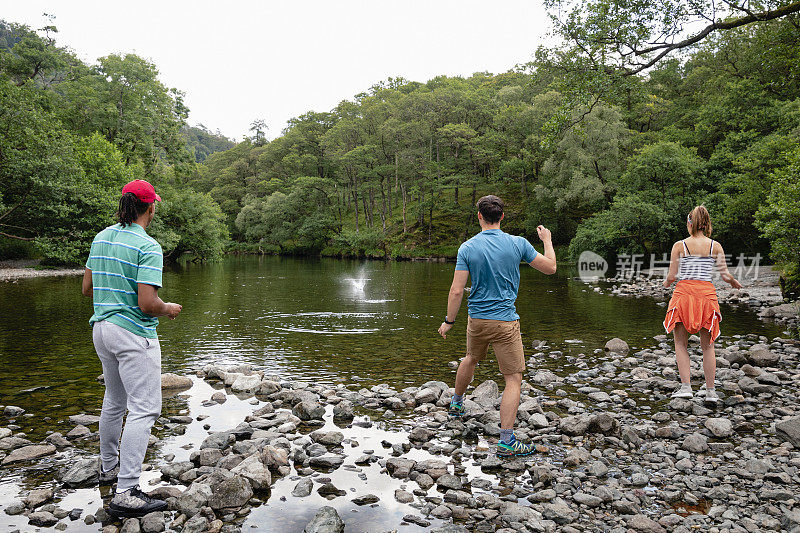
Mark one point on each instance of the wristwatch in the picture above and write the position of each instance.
(448, 322)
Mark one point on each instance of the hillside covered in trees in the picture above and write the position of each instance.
(72, 134)
(395, 171)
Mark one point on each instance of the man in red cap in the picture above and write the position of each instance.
(123, 275)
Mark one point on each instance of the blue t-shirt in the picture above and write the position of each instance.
(492, 258)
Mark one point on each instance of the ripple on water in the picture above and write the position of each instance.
(342, 331)
(326, 322)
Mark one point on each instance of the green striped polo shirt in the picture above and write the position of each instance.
(120, 258)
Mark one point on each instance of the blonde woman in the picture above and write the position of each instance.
(694, 308)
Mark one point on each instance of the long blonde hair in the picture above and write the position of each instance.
(700, 220)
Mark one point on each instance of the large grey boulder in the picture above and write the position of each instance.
(450, 528)
(244, 383)
(426, 395)
(617, 345)
(42, 519)
(603, 423)
(326, 520)
(399, 467)
(268, 388)
(326, 461)
(761, 355)
(274, 458)
(574, 425)
(695, 443)
(789, 430)
(303, 488)
(735, 356)
(84, 419)
(174, 381)
(514, 512)
(131, 525)
(218, 440)
(328, 438)
(437, 385)
(588, 500)
(196, 524)
(253, 470)
(487, 390)
(193, 499)
(642, 524)
(153, 522)
(306, 410)
(751, 386)
(84, 472)
(29, 453)
(343, 411)
(14, 508)
(231, 494)
(37, 497)
(544, 377)
(719, 427)
(12, 411)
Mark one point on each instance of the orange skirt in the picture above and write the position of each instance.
(694, 304)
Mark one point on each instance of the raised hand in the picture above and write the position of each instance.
(544, 233)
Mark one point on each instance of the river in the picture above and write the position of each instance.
(327, 321)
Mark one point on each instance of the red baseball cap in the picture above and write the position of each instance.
(143, 191)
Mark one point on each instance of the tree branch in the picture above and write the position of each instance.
(24, 197)
(2, 234)
(722, 25)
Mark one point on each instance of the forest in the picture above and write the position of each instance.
(610, 158)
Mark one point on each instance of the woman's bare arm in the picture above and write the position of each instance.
(722, 266)
(674, 263)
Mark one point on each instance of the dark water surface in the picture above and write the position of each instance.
(304, 319)
(323, 321)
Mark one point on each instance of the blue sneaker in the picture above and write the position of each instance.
(456, 410)
(514, 448)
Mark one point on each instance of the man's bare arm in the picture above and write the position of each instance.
(545, 263)
(456, 293)
(86, 284)
(151, 304)
(454, 299)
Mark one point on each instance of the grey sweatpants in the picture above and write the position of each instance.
(132, 374)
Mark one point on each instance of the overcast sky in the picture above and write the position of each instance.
(241, 60)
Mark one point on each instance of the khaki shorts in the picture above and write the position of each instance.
(505, 339)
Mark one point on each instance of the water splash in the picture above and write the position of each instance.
(357, 284)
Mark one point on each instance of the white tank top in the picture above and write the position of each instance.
(695, 266)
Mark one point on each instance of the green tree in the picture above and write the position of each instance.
(259, 129)
(667, 175)
(582, 172)
(631, 225)
(779, 221)
(188, 222)
(204, 142)
(124, 100)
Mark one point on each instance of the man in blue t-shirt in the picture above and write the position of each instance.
(492, 258)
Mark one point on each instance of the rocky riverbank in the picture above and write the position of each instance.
(23, 269)
(762, 294)
(614, 453)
